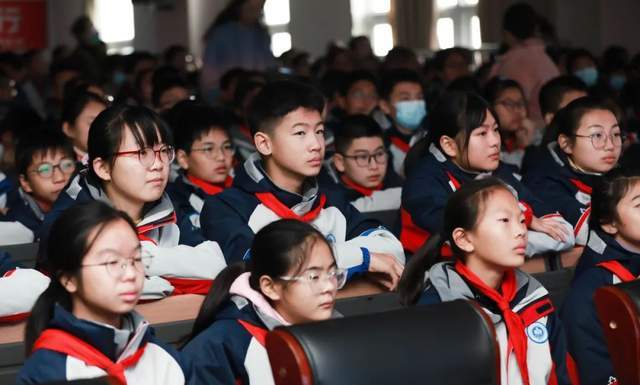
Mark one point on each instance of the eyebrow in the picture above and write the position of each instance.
(303, 124)
(635, 197)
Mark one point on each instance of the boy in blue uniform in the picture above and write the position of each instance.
(279, 182)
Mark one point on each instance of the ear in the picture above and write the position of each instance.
(270, 288)
(342, 101)
(183, 159)
(69, 283)
(610, 228)
(263, 143)
(24, 184)
(565, 144)
(385, 106)
(461, 239)
(449, 146)
(338, 162)
(66, 129)
(102, 169)
(548, 117)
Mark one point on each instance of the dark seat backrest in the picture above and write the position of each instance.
(557, 282)
(25, 254)
(452, 343)
(368, 304)
(618, 309)
(389, 218)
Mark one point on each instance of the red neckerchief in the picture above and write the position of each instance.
(210, 188)
(516, 336)
(453, 182)
(618, 270)
(361, 189)
(401, 144)
(66, 343)
(281, 210)
(142, 230)
(581, 186)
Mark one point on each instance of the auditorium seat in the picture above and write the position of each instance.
(618, 308)
(24, 254)
(557, 282)
(389, 218)
(451, 343)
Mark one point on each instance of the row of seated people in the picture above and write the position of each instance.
(83, 322)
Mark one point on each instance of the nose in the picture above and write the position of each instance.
(494, 140)
(57, 175)
(315, 142)
(129, 270)
(608, 142)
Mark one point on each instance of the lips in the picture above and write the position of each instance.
(495, 156)
(315, 162)
(520, 249)
(327, 305)
(129, 296)
(156, 181)
(609, 159)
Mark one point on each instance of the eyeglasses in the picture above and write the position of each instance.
(315, 280)
(147, 156)
(599, 139)
(512, 105)
(363, 96)
(210, 151)
(45, 170)
(116, 266)
(364, 159)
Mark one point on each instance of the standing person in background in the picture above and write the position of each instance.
(236, 38)
(526, 60)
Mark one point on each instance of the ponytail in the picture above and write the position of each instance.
(42, 312)
(217, 296)
(412, 282)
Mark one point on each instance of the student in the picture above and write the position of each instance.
(205, 154)
(554, 95)
(486, 230)
(168, 89)
(45, 162)
(83, 325)
(129, 154)
(517, 130)
(291, 278)
(361, 160)
(402, 98)
(588, 144)
(78, 112)
(358, 93)
(285, 119)
(464, 144)
(612, 255)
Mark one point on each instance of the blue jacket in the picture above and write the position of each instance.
(187, 197)
(546, 344)
(427, 190)
(178, 248)
(25, 210)
(584, 333)
(232, 217)
(563, 188)
(231, 350)
(159, 364)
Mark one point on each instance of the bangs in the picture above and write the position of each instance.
(148, 129)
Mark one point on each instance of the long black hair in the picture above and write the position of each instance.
(456, 115)
(66, 250)
(276, 249)
(463, 210)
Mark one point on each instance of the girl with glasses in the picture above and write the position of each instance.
(589, 143)
(291, 277)
(84, 324)
(464, 144)
(487, 232)
(129, 156)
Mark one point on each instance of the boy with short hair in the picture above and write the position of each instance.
(358, 93)
(279, 181)
(402, 98)
(205, 154)
(45, 161)
(361, 158)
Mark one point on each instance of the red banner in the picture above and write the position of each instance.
(23, 25)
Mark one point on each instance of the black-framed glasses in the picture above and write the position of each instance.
(147, 156)
(599, 139)
(116, 266)
(316, 279)
(364, 159)
(45, 170)
(211, 150)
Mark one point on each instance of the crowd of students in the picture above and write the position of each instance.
(138, 189)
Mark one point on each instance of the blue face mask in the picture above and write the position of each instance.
(617, 82)
(409, 113)
(588, 75)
